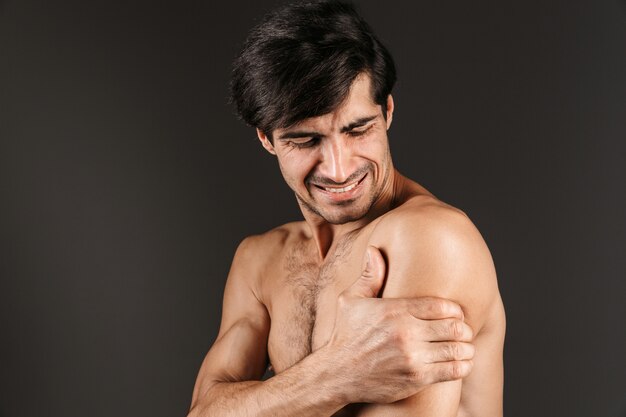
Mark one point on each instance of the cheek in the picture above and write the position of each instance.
(375, 149)
(294, 169)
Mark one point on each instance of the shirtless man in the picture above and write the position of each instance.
(352, 305)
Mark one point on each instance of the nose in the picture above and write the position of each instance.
(336, 164)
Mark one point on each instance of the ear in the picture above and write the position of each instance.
(389, 110)
(267, 144)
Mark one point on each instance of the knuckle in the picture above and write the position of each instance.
(437, 306)
(456, 329)
(445, 308)
(416, 363)
(409, 363)
(456, 370)
(452, 351)
(469, 331)
(400, 337)
(460, 369)
(417, 375)
(419, 378)
(402, 352)
(389, 312)
(471, 351)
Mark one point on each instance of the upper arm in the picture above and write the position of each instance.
(436, 251)
(239, 352)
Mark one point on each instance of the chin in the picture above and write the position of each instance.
(342, 216)
(340, 213)
(343, 219)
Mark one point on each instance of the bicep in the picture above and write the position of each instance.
(239, 352)
(441, 257)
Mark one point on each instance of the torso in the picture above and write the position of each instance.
(301, 297)
(300, 292)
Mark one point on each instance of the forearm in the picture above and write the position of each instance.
(440, 400)
(309, 389)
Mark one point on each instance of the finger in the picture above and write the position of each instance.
(447, 371)
(372, 276)
(448, 330)
(451, 351)
(433, 308)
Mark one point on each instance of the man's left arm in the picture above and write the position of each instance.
(435, 250)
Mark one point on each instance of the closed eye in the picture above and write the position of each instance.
(303, 143)
(359, 132)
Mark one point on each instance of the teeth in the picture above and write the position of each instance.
(341, 190)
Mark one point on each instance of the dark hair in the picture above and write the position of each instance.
(301, 60)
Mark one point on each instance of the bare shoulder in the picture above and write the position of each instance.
(249, 275)
(262, 252)
(426, 222)
(422, 213)
(264, 248)
(434, 249)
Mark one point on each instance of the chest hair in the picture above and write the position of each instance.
(307, 280)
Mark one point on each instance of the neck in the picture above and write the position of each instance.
(326, 234)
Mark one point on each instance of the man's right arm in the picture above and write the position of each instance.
(228, 383)
(365, 360)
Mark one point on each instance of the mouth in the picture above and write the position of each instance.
(341, 192)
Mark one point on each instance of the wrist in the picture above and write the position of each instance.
(333, 376)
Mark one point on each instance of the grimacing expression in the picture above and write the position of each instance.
(337, 164)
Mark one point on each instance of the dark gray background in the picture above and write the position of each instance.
(126, 184)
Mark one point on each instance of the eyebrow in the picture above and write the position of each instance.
(306, 133)
(357, 123)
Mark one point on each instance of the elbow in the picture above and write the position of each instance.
(195, 411)
(202, 410)
(203, 400)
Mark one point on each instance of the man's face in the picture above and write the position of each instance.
(339, 163)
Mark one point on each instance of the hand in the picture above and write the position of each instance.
(389, 349)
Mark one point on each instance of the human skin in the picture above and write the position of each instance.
(301, 296)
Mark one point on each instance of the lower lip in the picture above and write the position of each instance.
(343, 196)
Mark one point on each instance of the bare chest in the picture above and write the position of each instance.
(303, 300)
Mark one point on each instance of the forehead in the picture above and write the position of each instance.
(358, 103)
